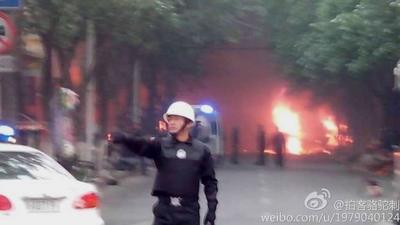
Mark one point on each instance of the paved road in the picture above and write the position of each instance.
(248, 192)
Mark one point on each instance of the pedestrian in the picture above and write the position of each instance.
(279, 144)
(235, 146)
(182, 163)
(261, 144)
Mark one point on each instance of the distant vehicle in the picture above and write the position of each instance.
(208, 129)
(35, 189)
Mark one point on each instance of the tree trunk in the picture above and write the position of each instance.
(170, 91)
(65, 63)
(47, 86)
(79, 117)
(100, 71)
(102, 102)
(151, 111)
(362, 114)
(130, 82)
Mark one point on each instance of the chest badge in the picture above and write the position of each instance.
(181, 154)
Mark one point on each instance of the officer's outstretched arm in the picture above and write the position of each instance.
(147, 147)
(210, 183)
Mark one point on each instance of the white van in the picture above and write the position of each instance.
(208, 130)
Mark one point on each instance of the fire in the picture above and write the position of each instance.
(288, 122)
(330, 125)
(337, 134)
(332, 131)
(270, 151)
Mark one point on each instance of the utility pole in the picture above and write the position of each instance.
(136, 92)
(90, 89)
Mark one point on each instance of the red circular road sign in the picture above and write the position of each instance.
(7, 38)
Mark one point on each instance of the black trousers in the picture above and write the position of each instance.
(167, 214)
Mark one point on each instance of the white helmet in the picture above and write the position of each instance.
(180, 109)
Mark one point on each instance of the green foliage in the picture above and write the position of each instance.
(171, 31)
(325, 40)
(57, 20)
(344, 50)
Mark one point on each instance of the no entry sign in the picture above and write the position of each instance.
(8, 33)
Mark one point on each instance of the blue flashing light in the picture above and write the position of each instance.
(7, 130)
(207, 109)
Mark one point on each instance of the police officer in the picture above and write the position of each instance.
(182, 163)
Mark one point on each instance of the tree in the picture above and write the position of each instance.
(196, 26)
(168, 38)
(343, 48)
(60, 26)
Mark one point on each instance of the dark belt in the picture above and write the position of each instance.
(177, 201)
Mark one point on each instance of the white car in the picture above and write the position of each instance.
(35, 189)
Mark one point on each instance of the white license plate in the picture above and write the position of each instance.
(43, 205)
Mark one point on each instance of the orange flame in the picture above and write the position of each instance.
(332, 131)
(337, 134)
(288, 122)
(270, 151)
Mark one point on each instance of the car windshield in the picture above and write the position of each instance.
(31, 166)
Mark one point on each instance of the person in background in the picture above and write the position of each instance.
(279, 144)
(235, 146)
(261, 145)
